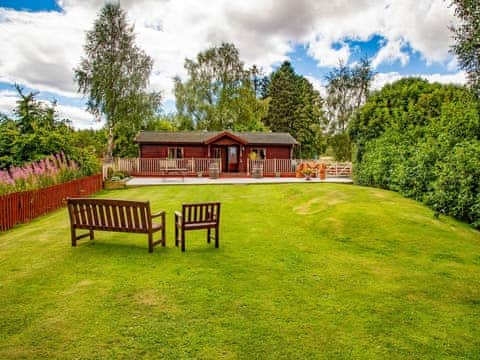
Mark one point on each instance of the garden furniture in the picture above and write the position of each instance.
(196, 217)
(114, 215)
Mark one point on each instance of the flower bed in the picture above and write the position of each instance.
(55, 169)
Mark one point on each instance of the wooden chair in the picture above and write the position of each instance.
(114, 215)
(197, 217)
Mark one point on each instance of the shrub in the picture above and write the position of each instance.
(421, 140)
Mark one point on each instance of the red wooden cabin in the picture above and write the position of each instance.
(233, 148)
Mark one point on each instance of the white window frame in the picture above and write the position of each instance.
(259, 151)
(175, 150)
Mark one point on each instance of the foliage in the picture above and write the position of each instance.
(114, 74)
(296, 108)
(467, 38)
(219, 93)
(36, 133)
(302, 272)
(421, 139)
(46, 172)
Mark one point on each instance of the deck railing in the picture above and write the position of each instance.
(197, 166)
(273, 166)
(280, 167)
(164, 166)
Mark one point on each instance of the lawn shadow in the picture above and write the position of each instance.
(104, 246)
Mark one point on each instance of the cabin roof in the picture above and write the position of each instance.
(203, 137)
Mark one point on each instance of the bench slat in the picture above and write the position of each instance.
(109, 215)
(128, 214)
(136, 221)
(121, 213)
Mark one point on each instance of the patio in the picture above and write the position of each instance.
(142, 181)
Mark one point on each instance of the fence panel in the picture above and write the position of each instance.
(24, 206)
(339, 169)
(274, 166)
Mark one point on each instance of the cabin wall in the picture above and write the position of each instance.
(273, 151)
(150, 151)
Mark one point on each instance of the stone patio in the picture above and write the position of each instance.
(143, 181)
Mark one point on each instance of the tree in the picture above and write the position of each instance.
(467, 37)
(347, 91)
(219, 93)
(295, 107)
(114, 75)
(36, 132)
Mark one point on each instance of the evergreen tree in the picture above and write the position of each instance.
(115, 74)
(467, 37)
(295, 107)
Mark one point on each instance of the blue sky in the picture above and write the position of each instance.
(44, 38)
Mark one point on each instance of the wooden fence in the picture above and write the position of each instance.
(24, 206)
(287, 167)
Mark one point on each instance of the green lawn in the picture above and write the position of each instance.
(303, 271)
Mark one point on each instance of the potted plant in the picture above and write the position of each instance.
(117, 180)
(307, 172)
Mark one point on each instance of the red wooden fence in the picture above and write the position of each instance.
(23, 206)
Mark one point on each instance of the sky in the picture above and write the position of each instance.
(42, 41)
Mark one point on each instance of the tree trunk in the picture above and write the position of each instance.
(110, 145)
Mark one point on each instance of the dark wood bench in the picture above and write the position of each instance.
(114, 215)
(197, 217)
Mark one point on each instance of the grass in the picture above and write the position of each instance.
(303, 271)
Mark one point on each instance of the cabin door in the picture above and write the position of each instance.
(232, 158)
(230, 155)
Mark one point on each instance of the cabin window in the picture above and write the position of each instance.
(258, 154)
(175, 153)
(217, 153)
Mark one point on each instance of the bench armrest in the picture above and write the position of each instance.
(158, 214)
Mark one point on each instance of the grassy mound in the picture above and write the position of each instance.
(303, 271)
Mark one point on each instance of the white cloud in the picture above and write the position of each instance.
(391, 52)
(41, 49)
(8, 101)
(326, 55)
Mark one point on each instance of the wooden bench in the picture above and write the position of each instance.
(196, 217)
(114, 215)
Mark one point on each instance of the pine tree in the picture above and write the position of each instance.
(296, 108)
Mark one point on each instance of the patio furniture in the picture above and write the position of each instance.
(197, 217)
(114, 215)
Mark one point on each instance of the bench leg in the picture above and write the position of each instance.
(150, 242)
(91, 235)
(74, 236)
(216, 237)
(208, 235)
(176, 235)
(164, 224)
(183, 240)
